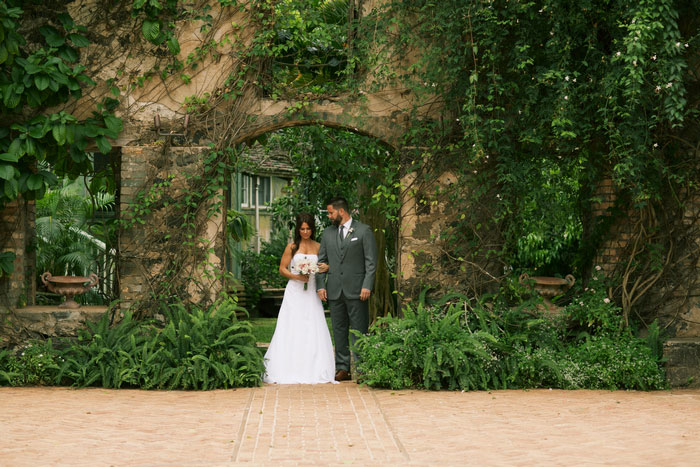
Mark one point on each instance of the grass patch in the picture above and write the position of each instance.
(264, 328)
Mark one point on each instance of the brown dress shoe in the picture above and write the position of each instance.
(342, 375)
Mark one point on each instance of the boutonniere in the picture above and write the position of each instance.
(350, 231)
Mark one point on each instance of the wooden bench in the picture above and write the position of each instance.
(271, 300)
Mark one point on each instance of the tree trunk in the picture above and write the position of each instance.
(382, 301)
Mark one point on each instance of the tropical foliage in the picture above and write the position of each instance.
(548, 98)
(308, 47)
(38, 146)
(458, 344)
(71, 240)
(197, 349)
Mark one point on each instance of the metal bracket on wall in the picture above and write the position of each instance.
(156, 122)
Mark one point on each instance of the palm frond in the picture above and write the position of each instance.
(335, 11)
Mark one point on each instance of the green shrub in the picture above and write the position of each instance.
(612, 362)
(33, 364)
(106, 355)
(205, 350)
(492, 346)
(429, 350)
(197, 349)
(260, 270)
(591, 311)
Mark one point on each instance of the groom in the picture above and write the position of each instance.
(350, 249)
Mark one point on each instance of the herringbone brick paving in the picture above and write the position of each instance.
(346, 424)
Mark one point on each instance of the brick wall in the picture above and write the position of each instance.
(675, 298)
(617, 239)
(144, 246)
(17, 231)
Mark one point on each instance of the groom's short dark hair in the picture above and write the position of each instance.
(339, 202)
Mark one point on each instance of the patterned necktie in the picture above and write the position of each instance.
(342, 235)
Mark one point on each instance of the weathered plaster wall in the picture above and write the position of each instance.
(426, 255)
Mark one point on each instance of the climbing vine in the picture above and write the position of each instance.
(547, 99)
(538, 101)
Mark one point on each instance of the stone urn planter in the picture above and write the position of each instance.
(69, 286)
(548, 287)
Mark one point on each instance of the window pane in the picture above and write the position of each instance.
(265, 191)
(245, 183)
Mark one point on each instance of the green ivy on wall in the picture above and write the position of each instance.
(546, 98)
(38, 145)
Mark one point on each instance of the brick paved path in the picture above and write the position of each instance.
(346, 424)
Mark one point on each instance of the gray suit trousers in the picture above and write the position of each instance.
(347, 314)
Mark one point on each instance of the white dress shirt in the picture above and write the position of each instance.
(346, 228)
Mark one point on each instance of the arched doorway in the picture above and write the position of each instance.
(174, 200)
(297, 169)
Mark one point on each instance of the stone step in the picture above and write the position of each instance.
(682, 356)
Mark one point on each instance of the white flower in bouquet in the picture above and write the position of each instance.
(307, 267)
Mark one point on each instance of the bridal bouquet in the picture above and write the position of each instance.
(307, 267)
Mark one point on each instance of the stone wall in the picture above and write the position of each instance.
(429, 231)
(41, 322)
(683, 362)
(155, 181)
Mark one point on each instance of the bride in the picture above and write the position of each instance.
(301, 351)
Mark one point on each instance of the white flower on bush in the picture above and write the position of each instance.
(606, 300)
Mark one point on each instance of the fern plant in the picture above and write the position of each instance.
(206, 349)
(102, 356)
(428, 349)
(197, 349)
(457, 344)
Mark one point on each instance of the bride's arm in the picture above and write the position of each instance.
(284, 266)
(322, 267)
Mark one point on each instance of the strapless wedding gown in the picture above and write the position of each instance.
(301, 351)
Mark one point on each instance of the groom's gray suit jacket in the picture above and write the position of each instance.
(352, 262)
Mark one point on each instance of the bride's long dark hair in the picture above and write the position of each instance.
(301, 218)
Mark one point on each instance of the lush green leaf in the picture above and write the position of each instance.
(7, 171)
(35, 182)
(52, 36)
(79, 40)
(41, 82)
(151, 29)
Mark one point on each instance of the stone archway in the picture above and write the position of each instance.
(140, 265)
(387, 125)
(148, 159)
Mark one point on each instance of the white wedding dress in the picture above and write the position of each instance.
(301, 351)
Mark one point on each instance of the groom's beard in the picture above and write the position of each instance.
(336, 221)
